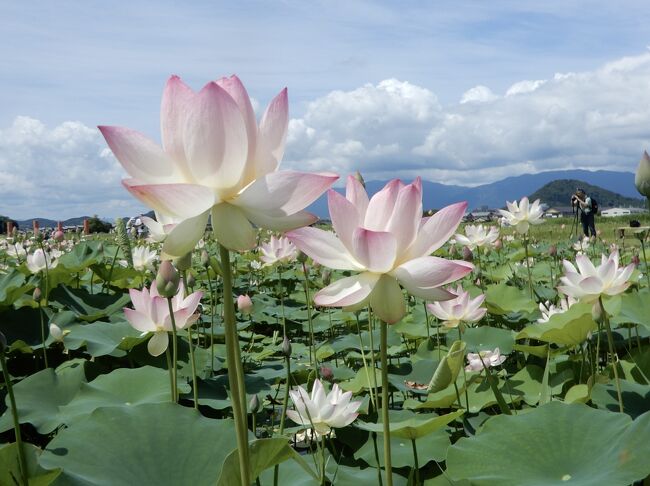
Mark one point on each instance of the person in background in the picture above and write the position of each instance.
(587, 213)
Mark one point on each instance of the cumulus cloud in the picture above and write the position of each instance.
(591, 120)
(59, 172)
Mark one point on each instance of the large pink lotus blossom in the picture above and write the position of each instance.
(216, 160)
(151, 314)
(588, 282)
(462, 309)
(389, 243)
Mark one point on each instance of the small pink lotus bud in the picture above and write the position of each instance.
(468, 256)
(326, 373)
(498, 244)
(453, 251)
(58, 236)
(636, 260)
(167, 279)
(37, 294)
(286, 347)
(244, 304)
(205, 258)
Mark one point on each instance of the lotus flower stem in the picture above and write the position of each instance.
(40, 313)
(285, 404)
(460, 338)
(415, 460)
(530, 278)
(235, 369)
(284, 320)
(495, 389)
(645, 261)
(195, 390)
(171, 374)
(174, 347)
(24, 474)
(365, 364)
(374, 441)
(383, 350)
(426, 320)
(213, 304)
(312, 350)
(612, 351)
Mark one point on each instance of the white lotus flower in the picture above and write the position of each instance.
(278, 250)
(460, 309)
(587, 282)
(160, 227)
(143, 258)
(521, 215)
(322, 411)
(478, 236)
(478, 361)
(40, 260)
(547, 309)
(582, 245)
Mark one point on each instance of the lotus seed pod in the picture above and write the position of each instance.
(286, 347)
(642, 176)
(205, 258)
(167, 279)
(254, 404)
(468, 256)
(184, 263)
(37, 294)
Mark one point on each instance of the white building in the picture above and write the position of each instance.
(611, 212)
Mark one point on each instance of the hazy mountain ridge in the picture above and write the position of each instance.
(558, 193)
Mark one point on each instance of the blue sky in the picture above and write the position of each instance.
(401, 68)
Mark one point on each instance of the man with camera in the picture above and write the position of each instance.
(581, 201)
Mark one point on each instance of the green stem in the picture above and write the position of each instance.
(495, 389)
(195, 389)
(285, 405)
(373, 376)
(415, 460)
(530, 278)
(374, 441)
(24, 475)
(174, 348)
(365, 364)
(383, 350)
(40, 313)
(171, 374)
(612, 352)
(312, 349)
(235, 369)
(284, 320)
(212, 310)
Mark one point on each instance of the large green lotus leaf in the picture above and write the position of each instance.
(362, 381)
(447, 370)
(10, 468)
(12, 286)
(499, 273)
(636, 397)
(264, 454)
(120, 277)
(155, 443)
(555, 444)
(484, 337)
(528, 382)
(102, 338)
(503, 299)
(123, 387)
(39, 396)
(83, 255)
(568, 328)
(414, 427)
(634, 308)
(89, 307)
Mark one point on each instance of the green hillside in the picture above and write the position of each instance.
(558, 193)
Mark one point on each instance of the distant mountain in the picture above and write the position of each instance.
(495, 194)
(50, 223)
(558, 193)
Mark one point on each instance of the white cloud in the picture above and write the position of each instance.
(594, 120)
(59, 172)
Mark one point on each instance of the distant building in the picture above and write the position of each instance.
(612, 212)
(559, 212)
(483, 215)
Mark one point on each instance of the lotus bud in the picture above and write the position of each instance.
(37, 294)
(302, 258)
(642, 177)
(597, 311)
(453, 251)
(498, 244)
(205, 258)
(254, 404)
(635, 260)
(244, 304)
(359, 177)
(468, 256)
(326, 373)
(327, 276)
(3, 343)
(58, 236)
(552, 251)
(56, 333)
(184, 263)
(191, 281)
(167, 279)
(286, 347)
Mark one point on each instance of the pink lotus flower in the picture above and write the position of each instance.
(151, 314)
(587, 282)
(388, 242)
(478, 236)
(216, 160)
(278, 250)
(462, 309)
(322, 411)
(482, 359)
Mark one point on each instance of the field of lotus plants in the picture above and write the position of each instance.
(241, 342)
